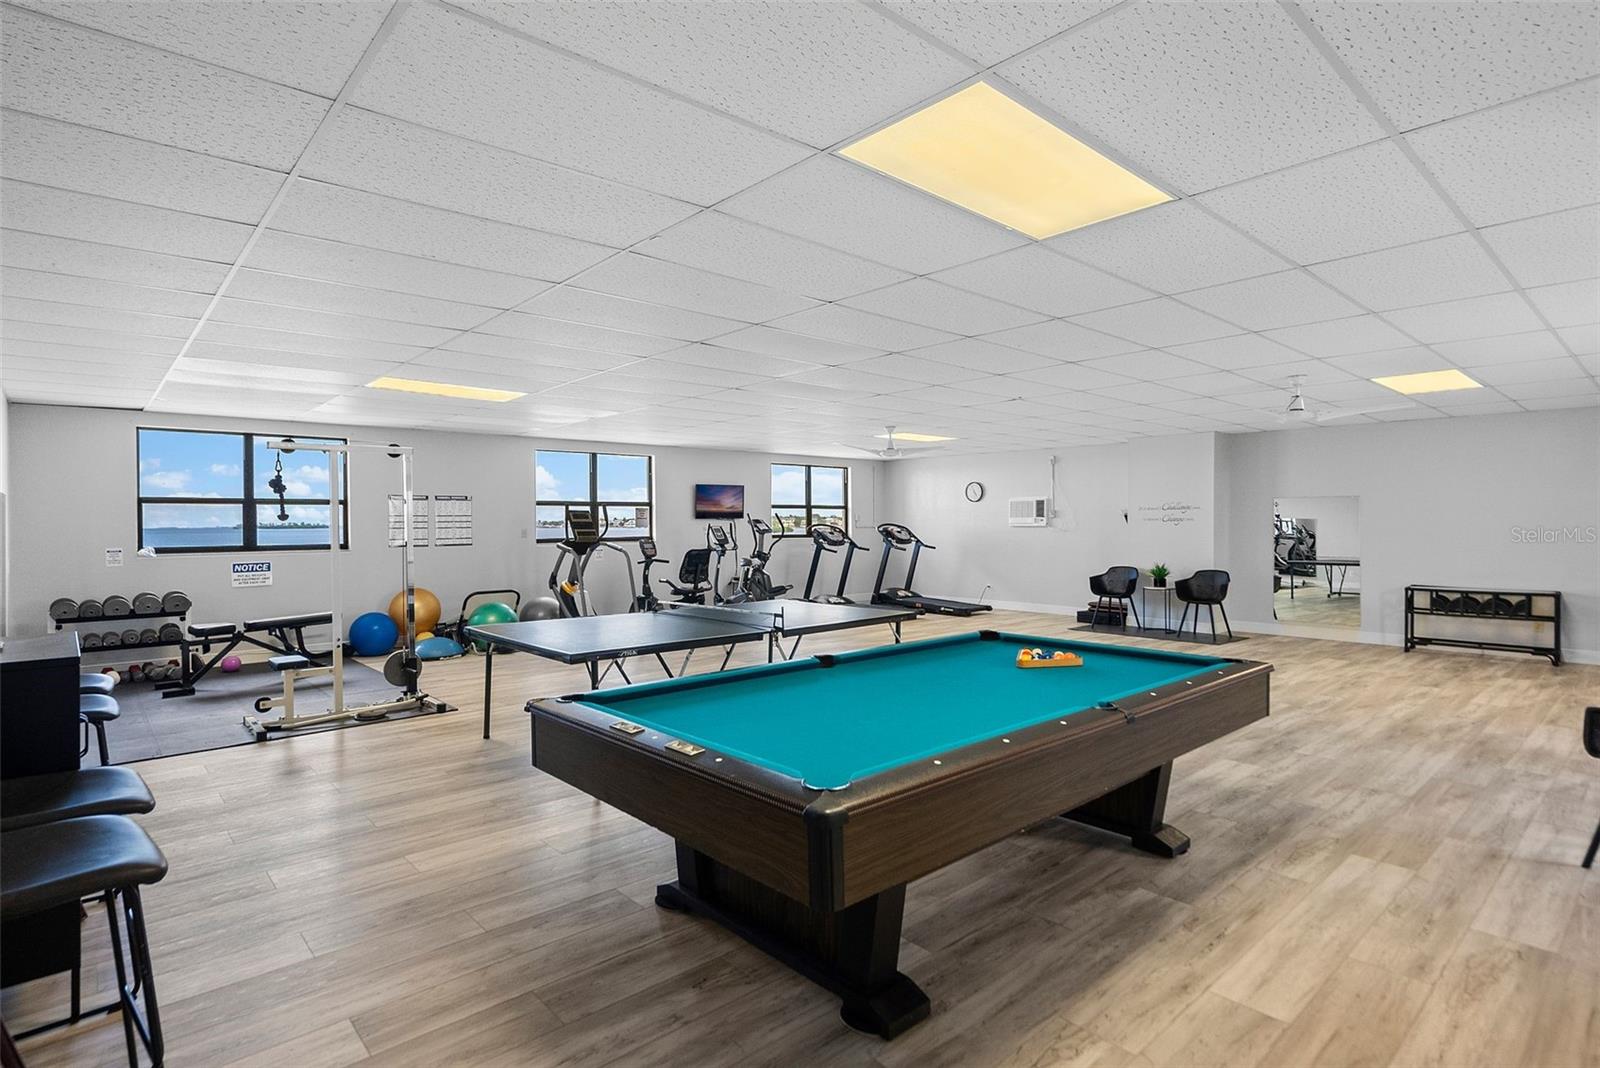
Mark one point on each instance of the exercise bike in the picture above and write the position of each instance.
(830, 538)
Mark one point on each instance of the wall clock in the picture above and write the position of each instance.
(974, 492)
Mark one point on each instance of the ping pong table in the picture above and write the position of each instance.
(1341, 564)
(612, 640)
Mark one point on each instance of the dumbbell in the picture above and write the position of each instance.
(146, 604)
(63, 608)
(116, 606)
(135, 672)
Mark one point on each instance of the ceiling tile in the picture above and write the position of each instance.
(1156, 323)
(1423, 62)
(303, 320)
(847, 377)
(452, 72)
(65, 256)
(1216, 384)
(85, 78)
(603, 309)
(1445, 268)
(383, 155)
(1365, 199)
(1169, 248)
(539, 352)
(978, 355)
(916, 369)
(838, 204)
(349, 215)
(14, 330)
(817, 72)
(795, 346)
(1518, 159)
(1513, 348)
(1148, 366)
(563, 333)
(1142, 393)
(990, 32)
(1561, 369)
(1061, 340)
(1341, 337)
(838, 323)
(660, 282)
(312, 47)
(1239, 351)
(1453, 320)
(310, 293)
(262, 338)
(922, 300)
(1072, 376)
(1034, 277)
(1545, 404)
(59, 213)
(77, 315)
(1567, 393)
(93, 292)
(1583, 340)
(333, 261)
(1561, 247)
(1392, 362)
(1285, 299)
(51, 153)
(1569, 304)
(754, 363)
(258, 361)
(721, 243)
(1199, 95)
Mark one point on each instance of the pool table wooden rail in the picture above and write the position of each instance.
(831, 849)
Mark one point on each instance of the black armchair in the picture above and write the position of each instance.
(1208, 589)
(1117, 584)
(1591, 742)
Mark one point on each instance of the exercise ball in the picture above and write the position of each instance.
(437, 648)
(427, 608)
(486, 614)
(230, 664)
(373, 634)
(540, 608)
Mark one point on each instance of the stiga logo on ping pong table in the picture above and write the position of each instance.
(252, 572)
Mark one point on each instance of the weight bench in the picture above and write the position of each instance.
(279, 635)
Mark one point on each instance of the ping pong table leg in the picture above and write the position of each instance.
(895, 627)
(488, 684)
(667, 667)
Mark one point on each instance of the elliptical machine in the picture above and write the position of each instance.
(646, 600)
(586, 533)
(753, 583)
(830, 538)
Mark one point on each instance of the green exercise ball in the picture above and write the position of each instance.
(486, 614)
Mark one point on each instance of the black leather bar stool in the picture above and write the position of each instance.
(96, 710)
(34, 799)
(96, 682)
(53, 865)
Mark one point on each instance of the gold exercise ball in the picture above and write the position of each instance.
(427, 610)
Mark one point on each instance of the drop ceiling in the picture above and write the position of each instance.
(635, 215)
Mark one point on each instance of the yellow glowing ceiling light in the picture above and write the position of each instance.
(444, 389)
(989, 154)
(900, 435)
(1428, 382)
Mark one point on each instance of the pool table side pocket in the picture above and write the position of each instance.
(738, 814)
(908, 822)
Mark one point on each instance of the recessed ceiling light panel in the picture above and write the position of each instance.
(444, 389)
(1428, 382)
(901, 435)
(982, 150)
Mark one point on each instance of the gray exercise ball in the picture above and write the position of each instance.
(539, 608)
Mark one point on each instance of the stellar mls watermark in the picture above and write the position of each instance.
(1555, 535)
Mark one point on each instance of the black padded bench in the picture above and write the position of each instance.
(279, 635)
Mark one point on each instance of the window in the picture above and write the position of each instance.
(206, 491)
(617, 487)
(803, 495)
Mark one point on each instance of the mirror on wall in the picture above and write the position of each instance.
(1316, 552)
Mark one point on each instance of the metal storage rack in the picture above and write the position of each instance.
(1479, 606)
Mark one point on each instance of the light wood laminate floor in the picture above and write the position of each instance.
(1385, 871)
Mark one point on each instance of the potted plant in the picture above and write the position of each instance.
(1158, 575)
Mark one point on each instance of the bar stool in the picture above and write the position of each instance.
(53, 865)
(96, 710)
(96, 682)
(29, 800)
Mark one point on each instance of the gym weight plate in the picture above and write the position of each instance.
(90, 609)
(146, 604)
(110, 640)
(130, 637)
(116, 606)
(171, 632)
(176, 602)
(149, 636)
(63, 608)
(89, 640)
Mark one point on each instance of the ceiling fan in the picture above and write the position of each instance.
(1297, 411)
(893, 452)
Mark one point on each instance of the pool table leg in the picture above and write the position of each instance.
(1136, 809)
(853, 952)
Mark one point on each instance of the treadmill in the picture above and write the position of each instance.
(897, 537)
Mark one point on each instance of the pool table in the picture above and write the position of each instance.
(805, 795)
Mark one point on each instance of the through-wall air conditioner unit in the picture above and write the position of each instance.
(1029, 511)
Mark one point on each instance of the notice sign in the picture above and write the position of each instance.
(252, 573)
(113, 557)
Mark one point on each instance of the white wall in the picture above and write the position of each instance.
(74, 486)
(5, 512)
(1442, 501)
(1115, 504)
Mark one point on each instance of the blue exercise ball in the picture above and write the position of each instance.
(373, 634)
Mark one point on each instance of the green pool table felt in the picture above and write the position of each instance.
(876, 709)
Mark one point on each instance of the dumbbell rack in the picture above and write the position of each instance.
(110, 622)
